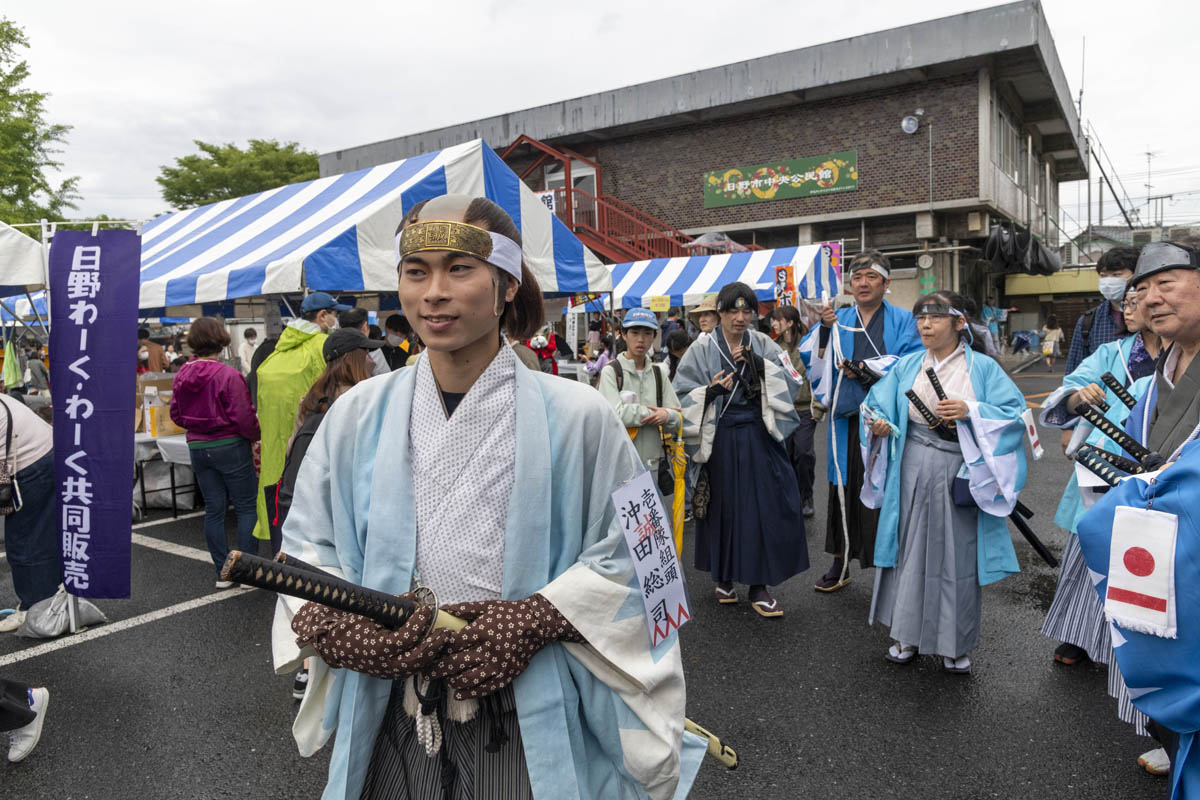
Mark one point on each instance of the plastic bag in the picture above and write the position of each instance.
(50, 618)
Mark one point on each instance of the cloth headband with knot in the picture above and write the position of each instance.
(459, 237)
(939, 309)
(874, 268)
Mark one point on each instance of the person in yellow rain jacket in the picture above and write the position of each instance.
(283, 379)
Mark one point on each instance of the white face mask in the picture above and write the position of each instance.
(395, 339)
(1113, 288)
(144, 355)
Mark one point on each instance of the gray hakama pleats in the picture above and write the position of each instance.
(1126, 710)
(932, 597)
(400, 770)
(1076, 615)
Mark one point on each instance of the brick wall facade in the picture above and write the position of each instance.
(661, 172)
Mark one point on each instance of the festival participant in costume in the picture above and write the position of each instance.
(1076, 618)
(640, 391)
(789, 329)
(575, 703)
(871, 332)
(938, 543)
(1152, 600)
(738, 397)
(284, 378)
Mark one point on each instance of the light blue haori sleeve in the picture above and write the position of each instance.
(703, 361)
(992, 443)
(603, 718)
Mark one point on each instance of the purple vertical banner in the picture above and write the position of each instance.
(93, 369)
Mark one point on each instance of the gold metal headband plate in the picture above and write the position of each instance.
(443, 235)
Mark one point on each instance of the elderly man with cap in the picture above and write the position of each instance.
(844, 355)
(283, 379)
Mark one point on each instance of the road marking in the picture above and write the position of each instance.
(91, 634)
(172, 548)
(167, 520)
(1041, 394)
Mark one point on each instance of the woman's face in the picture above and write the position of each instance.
(736, 320)
(707, 321)
(939, 331)
(1135, 321)
(450, 298)
(780, 326)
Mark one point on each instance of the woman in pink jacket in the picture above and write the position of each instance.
(212, 402)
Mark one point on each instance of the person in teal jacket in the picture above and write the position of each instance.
(944, 493)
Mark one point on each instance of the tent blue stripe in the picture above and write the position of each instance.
(633, 297)
(569, 270)
(432, 185)
(184, 241)
(215, 235)
(502, 186)
(685, 281)
(336, 266)
(731, 272)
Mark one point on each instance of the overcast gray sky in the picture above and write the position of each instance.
(140, 80)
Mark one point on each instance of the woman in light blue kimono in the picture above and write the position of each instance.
(553, 688)
(938, 543)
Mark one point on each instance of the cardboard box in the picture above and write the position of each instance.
(162, 381)
(160, 423)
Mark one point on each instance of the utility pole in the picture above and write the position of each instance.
(1149, 155)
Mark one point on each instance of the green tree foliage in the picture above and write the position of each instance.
(28, 143)
(225, 171)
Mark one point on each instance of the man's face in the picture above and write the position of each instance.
(868, 287)
(1123, 274)
(326, 320)
(1170, 303)
(737, 320)
(450, 298)
(638, 341)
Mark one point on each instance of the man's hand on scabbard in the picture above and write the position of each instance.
(349, 641)
(497, 645)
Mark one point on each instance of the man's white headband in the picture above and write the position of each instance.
(876, 268)
(459, 237)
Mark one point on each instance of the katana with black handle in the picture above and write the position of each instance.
(1118, 462)
(1033, 540)
(936, 423)
(1149, 459)
(862, 373)
(290, 576)
(1090, 458)
(1118, 388)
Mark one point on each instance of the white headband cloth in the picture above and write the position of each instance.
(494, 248)
(939, 309)
(875, 268)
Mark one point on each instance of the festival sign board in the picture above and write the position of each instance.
(647, 532)
(93, 321)
(659, 303)
(782, 180)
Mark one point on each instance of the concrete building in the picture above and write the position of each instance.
(913, 140)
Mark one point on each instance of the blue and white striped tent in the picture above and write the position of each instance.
(336, 233)
(23, 309)
(687, 279)
(21, 262)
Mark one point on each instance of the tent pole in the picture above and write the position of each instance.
(45, 328)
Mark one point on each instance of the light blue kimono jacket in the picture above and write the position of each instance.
(1109, 357)
(603, 719)
(900, 338)
(996, 469)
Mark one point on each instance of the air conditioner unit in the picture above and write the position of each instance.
(1180, 232)
(1145, 236)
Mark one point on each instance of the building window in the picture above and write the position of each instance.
(1007, 153)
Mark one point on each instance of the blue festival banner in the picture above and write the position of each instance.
(93, 369)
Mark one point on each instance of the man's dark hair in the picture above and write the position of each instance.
(311, 316)
(250, 332)
(678, 339)
(729, 294)
(396, 323)
(1116, 259)
(374, 332)
(352, 319)
(143, 333)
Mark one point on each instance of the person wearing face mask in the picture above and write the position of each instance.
(282, 380)
(150, 353)
(395, 350)
(1105, 322)
(246, 350)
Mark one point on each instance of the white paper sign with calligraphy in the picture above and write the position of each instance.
(648, 534)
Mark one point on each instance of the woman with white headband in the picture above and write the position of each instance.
(943, 445)
(411, 483)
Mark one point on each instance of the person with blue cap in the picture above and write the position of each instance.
(283, 379)
(639, 390)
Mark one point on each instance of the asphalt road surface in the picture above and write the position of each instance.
(175, 699)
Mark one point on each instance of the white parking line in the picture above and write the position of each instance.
(172, 548)
(116, 627)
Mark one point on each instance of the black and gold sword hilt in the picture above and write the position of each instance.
(862, 373)
(1121, 463)
(1090, 458)
(1149, 459)
(936, 423)
(1117, 388)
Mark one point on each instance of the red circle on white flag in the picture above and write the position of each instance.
(1139, 561)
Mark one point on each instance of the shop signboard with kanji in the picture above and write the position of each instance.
(781, 180)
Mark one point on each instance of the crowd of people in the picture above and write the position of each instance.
(389, 457)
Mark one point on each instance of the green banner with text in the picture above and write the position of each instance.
(781, 180)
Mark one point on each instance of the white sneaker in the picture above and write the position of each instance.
(22, 741)
(12, 622)
(1155, 762)
(224, 584)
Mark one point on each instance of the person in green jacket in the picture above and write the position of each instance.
(789, 329)
(283, 379)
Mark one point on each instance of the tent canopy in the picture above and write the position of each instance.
(336, 233)
(687, 279)
(21, 265)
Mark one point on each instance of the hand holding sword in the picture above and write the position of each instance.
(405, 614)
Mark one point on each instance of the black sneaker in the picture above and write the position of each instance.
(300, 685)
(1069, 654)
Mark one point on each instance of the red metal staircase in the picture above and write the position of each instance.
(608, 226)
